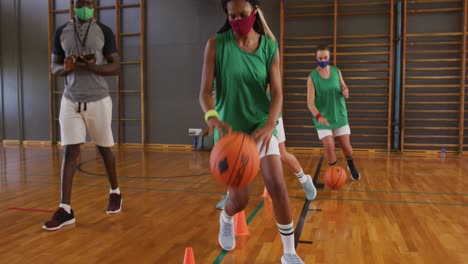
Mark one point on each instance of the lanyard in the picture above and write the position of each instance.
(78, 39)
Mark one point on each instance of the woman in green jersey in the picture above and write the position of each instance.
(243, 59)
(326, 94)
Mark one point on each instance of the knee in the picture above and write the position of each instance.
(105, 151)
(282, 150)
(240, 203)
(71, 152)
(329, 148)
(348, 150)
(328, 142)
(277, 190)
(283, 156)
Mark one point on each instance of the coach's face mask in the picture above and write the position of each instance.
(244, 25)
(84, 13)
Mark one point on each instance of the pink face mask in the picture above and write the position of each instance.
(244, 25)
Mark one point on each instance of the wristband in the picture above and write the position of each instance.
(318, 116)
(210, 114)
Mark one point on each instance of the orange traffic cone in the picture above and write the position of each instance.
(265, 193)
(240, 225)
(189, 258)
(241, 242)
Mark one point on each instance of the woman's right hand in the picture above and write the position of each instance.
(223, 128)
(322, 120)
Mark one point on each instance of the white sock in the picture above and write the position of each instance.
(287, 235)
(117, 191)
(301, 176)
(227, 218)
(66, 207)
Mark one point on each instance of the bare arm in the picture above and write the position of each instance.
(344, 87)
(206, 87)
(276, 92)
(311, 97)
(58, 65)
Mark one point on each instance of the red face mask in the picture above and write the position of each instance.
(244, 25)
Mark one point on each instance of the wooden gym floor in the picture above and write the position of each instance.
(403, 210)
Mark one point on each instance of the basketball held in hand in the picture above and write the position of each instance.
(235, 160)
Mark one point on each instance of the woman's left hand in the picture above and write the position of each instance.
(263, 135)
(345, 92)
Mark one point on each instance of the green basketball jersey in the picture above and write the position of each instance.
(329, 99)
(241, 82)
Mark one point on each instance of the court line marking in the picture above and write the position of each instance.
(391, 201)
(166, 180)
(163, 179)
(317, 171)
(222, 193)
(160, 177)
(305, 209)
(301, 222)
(30, 210)
(406, 192)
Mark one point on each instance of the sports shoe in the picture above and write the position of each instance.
(226, 238)
(291, 259)
(355, 175)
(59, 219)
(115, 203)
(309, 188)
(220, 204)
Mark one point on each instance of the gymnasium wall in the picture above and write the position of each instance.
(177, 32)
(433, 105)
(361, 46)
(24, 101)
(362, 37)
(434, 69)
(175, 60)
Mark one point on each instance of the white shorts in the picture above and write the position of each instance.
(273, 149)
(341, 131)
(280, 131)
(96, 120)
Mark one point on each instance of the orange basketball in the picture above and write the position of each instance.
(234, 160)
(335, 177)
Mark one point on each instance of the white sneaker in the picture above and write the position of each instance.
(291, 259)
(226, 237)
(309, 188)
